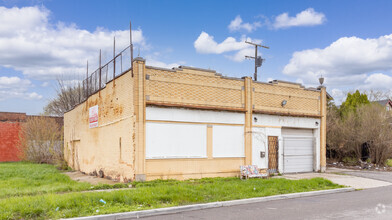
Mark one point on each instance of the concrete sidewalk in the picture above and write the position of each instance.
(341, 179)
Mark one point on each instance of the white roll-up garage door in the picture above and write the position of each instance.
(298, 148)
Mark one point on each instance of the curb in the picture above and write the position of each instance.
(177, 209)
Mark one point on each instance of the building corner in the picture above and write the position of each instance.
(140, 116)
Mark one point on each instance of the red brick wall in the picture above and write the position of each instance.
(10, 124)
(9, 135)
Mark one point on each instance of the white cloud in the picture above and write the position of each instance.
(15, 87)
(206, 44)
(240, 55)
(45, 84)
(300, 81)
(156, 63)
(379, 81)
(30, 43)
(237, 25)
(33, 96)
(308, 17)
(338, 95)
(346, 62)
(13, 81)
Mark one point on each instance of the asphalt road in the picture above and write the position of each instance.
(377, 175)
(375, 203)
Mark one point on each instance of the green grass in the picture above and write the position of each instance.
(153, 194)
(36, 191)
(389, 162)
(21, 178)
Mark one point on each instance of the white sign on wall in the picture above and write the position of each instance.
(93, 116)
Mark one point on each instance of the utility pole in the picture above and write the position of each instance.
(258, 59)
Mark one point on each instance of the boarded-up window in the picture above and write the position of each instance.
(174, 140)
(228, 141)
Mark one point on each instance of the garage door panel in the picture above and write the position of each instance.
(298, 164)
(298, 150)
(300, 160)
(298, 146)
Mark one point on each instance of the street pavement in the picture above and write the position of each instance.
(373, 203)
(376, 175)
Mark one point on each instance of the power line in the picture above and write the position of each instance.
(258, 60)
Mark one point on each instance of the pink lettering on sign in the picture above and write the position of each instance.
(93, 116)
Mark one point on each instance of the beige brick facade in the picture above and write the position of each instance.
(117, 146)
(109, 148)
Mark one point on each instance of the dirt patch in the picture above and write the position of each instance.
(79, 176)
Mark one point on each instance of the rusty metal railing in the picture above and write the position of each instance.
(98, 79)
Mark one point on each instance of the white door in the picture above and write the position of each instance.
(298, 150)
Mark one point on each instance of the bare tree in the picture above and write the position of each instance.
(376, 131)
(41, 141)
(376, 95)
(342, 136)
(68, 95)
(368, 124)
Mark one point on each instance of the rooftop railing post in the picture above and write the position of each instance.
(99, 72)
(87, 80)
(114, 60)
(131, 44)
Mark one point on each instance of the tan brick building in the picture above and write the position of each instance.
(151, 123)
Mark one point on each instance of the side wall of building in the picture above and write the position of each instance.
(108, 149)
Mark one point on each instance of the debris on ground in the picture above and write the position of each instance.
(102, 201)
(360, 166)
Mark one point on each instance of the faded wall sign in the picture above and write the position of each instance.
(93, 116)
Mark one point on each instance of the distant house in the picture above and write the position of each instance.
(385, 102)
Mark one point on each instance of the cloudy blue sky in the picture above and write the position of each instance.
(348, 42)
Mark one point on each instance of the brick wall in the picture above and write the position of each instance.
(198, 88)
(10, 124)
(193, 87)
(106, 150)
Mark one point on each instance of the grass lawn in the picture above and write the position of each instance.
(145, 195)
(17, 179)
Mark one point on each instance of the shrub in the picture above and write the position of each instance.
(41, 141)
(367, 124)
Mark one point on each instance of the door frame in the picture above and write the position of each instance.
(274, 140)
